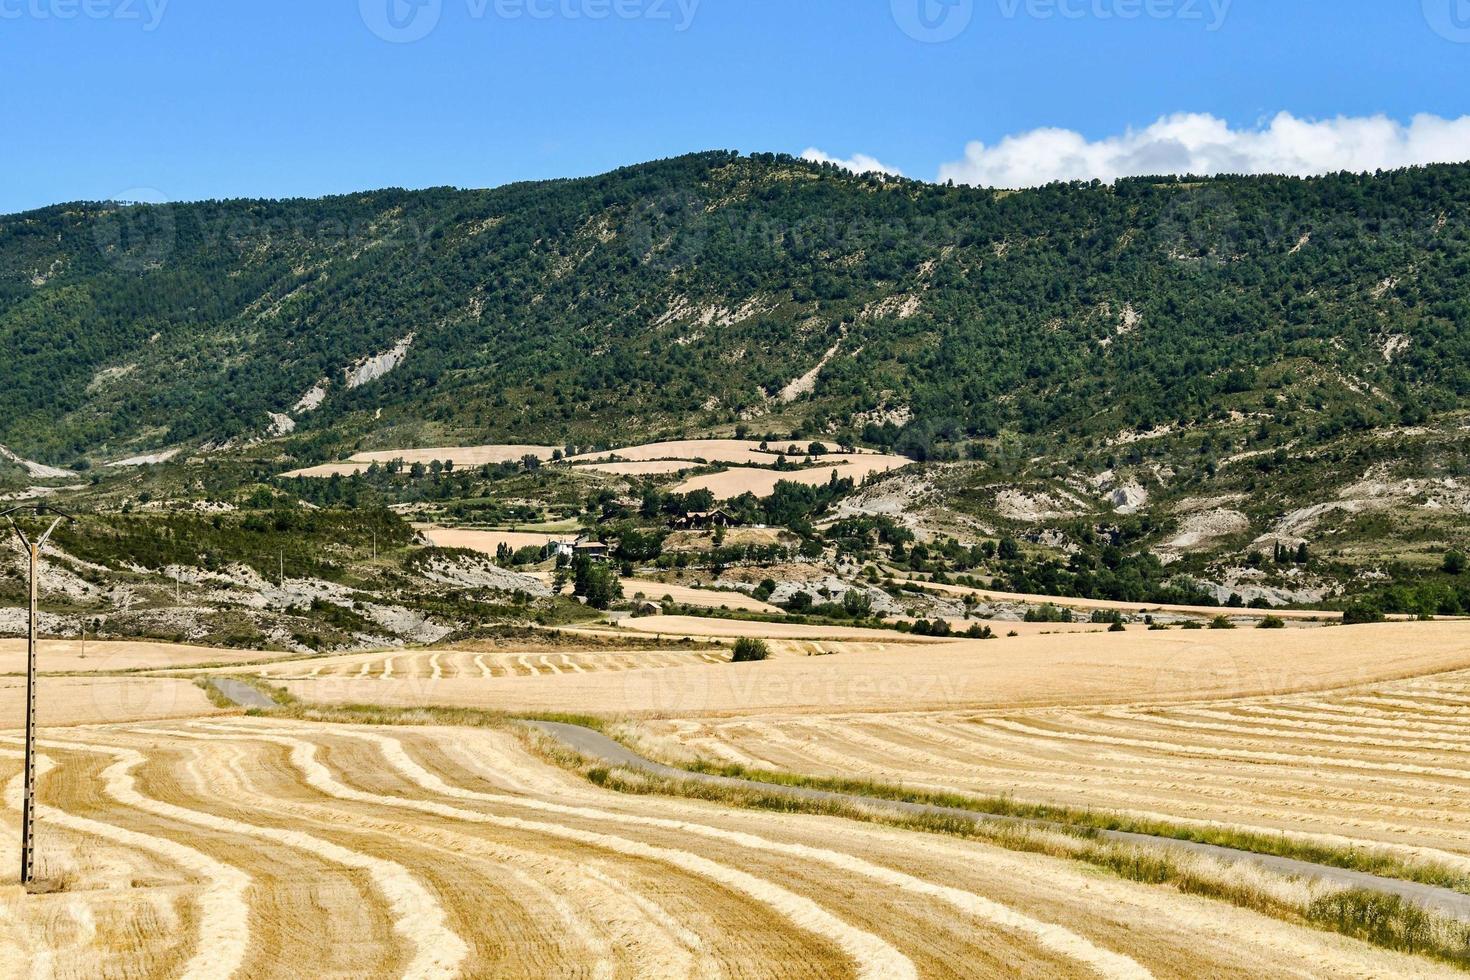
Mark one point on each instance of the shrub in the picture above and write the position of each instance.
(1454, 563)
(1048, 613)
(1272, 623)
(1221, 623)
(749, 651)
(1362, 612)
(1118, 627)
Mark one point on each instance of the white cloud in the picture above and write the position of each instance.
(1196, 143)
(858, 163)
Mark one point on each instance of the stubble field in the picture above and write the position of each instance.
(261, 848)
(219, 845)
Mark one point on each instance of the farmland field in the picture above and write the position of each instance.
(710, 450)
(892, 672)
(190, 841)
(1381, 764)
(647, 467)
(263, 848)
(739, 480)
(487, 542)
(459, 455)
(688, 596)
(73, 656)
(88, 701)
(460, 665)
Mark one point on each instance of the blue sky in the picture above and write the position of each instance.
(185, 99)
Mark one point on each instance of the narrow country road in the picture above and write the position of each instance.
(241, 693)
(1444, 901)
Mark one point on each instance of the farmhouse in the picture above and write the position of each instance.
(595, 550)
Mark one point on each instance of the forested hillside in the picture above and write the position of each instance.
(697, 292)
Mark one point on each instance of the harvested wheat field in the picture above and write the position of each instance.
(688, 596)
(89, 700)
(648, 467)
(451, 665)
(1087, 670)
(255, 848)
(459, 455)
(1088, 605)
(71, 656)
(486, 542)
(762, 483)
(730, 628)
(1381, 765)
(695, 450)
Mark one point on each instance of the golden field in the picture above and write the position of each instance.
(242, 847)
(891, 672)
(195, 842)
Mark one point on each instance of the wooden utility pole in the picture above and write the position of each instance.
(28, 799)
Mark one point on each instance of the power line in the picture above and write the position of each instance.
(28, 803)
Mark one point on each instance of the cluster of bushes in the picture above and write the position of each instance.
(855, 605)
(310, 541)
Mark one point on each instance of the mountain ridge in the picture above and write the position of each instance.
(689, 295)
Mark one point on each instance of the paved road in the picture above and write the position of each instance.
(1445, 901)
(241, 693)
